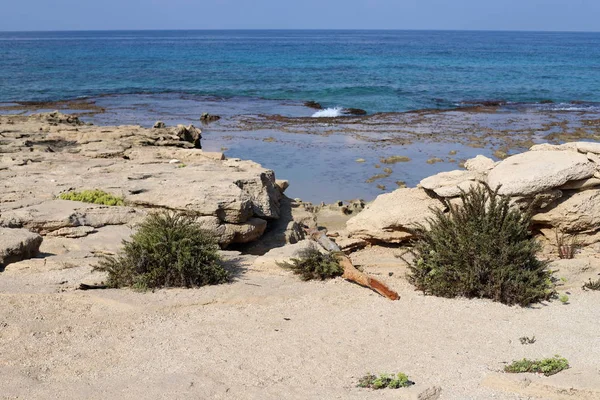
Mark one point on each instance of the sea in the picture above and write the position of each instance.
(139, 77)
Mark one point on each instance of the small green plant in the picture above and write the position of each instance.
(566, 246)
(390, 381)
(480, 248)
(592, 285)
(181, 165)
(93, 196)
(168, 250)
(312, 264)
(564, 298)
(546, 366)
(527, 340)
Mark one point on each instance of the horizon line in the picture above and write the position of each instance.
(300, 29)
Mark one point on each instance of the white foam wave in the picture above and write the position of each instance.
(329, 113)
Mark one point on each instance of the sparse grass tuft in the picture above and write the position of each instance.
(566, 246)
(481, 248)
(312, 264)
(93, 196)
(390, 381)
(168, 250)
(592, 285)
(527, 340)
(546, 366)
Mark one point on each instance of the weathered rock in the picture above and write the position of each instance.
(56, 117)
(17, 245)
(535, 171)
(581, 184)
(539, 200)
(73, 232)
(282, 185)
(54, 215)
(159, 125)
(480, 164)
(273, 258)
(354, 111)
(554, 147)
(249, 231)
(391, 216)
(450, 184)
(575, 213)
(189, 134)
(587, 147)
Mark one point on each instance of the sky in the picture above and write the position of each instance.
(545, 15)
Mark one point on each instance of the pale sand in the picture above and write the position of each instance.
(234, 341)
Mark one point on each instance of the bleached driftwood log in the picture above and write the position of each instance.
(350, 272)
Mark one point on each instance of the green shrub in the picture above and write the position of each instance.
(481, 248)
(383, 381)
(312, 264)
(168, 250)
(93, 196)
(546, 366)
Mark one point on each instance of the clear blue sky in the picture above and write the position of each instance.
(555, 15)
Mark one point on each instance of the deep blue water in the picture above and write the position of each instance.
(373, 70)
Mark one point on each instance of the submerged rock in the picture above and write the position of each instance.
(206, 117)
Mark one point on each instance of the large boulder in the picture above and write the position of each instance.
(17, 245)
(391, 216)
(536, 171)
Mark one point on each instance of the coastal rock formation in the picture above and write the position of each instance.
(559, 181)
(17, 245)
(535, 171)
(390, 216)
(450, 184)
(39, 161)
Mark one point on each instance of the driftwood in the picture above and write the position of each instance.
(350, 272)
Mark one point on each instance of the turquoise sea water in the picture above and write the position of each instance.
(372, 70)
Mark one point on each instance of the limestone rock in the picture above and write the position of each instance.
(581, 184)
(54, 215)
(189, 134)
(587, 147)
(159, 125)
(283, 254)
(480, 164)
(450, 184)
(390, 216)
(576, 213)
(554, 147)
(535, 171)
(17, 245)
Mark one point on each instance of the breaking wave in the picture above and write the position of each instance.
(329, 113)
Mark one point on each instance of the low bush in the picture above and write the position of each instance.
(168, 250)
(546, 366)
(312, 264)
(383, 381)
(480, 248)
(93, 196)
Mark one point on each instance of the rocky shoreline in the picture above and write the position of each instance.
(48, 246)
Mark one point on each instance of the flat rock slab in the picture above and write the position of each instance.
(17, 245)
(452, 183)
(535, 171)
(390, 216)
